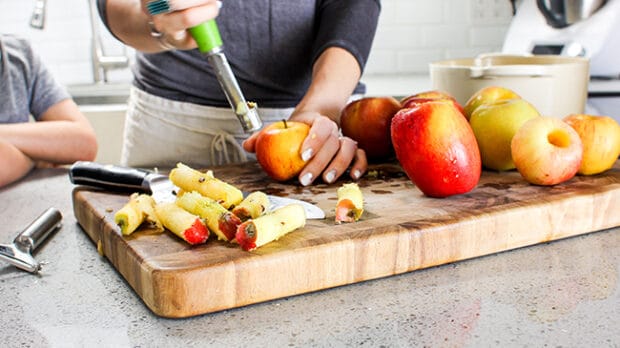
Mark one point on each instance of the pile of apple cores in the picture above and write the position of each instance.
(443, 146)
(207, 206)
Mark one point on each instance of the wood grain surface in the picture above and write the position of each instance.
(401, 231)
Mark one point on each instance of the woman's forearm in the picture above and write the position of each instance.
(129, 21)
(130, 24)
(335, 75)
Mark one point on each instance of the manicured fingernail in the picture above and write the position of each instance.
(357, 174)
(330, 176)
(306, 154)
(306, 179)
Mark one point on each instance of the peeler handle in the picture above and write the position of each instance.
(38, 230)
(207, 36)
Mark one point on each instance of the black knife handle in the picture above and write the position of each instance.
(108, 176)
(39, 229)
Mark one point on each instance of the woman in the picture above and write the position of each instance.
(61, 133)
(299, 60)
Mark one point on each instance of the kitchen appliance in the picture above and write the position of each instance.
(585, 28)
(19, 253)
(158, 185)
(555, 85)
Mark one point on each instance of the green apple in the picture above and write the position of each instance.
(494, 125)
(487, 95)
(547, 151)
(600, 136)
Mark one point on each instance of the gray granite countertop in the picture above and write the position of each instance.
(563, 293)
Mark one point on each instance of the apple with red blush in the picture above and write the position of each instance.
(367, 121)
(436, 147)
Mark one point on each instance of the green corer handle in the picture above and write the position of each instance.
(207, 36)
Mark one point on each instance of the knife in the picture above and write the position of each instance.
(207, 36)
(117, 178)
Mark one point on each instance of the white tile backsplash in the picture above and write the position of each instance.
(411, 34)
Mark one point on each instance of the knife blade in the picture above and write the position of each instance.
(207, 37)
(115, 178)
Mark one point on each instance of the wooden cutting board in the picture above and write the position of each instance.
(401, 231)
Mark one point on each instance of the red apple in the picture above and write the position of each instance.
(422, 97)
(278, 149)
(436, 147)
(600, 136)
(546, 151)
(367, 121)
(488, 95)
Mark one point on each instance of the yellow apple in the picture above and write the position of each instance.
(546, 151)
(487, 95)
(278, 149)
(600, 136)
(494, 125)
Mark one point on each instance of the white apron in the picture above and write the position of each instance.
(160, 133)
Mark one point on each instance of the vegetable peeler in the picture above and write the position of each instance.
(19, 253)
(207, 36)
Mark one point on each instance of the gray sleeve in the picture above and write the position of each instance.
(348, 24)
(45, 91)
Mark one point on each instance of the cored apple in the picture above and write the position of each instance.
(600, 136)
(494, 126)
(546, 151)
(278, 149)
(367, 121)
(423, 97)
(436, 148)
(488, 95)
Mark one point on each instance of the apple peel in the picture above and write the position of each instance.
(350, 205)
(139, 209)
(270, 227)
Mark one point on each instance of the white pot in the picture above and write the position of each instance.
(556, 85)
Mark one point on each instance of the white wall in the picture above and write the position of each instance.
(65, 42)
(411, 34)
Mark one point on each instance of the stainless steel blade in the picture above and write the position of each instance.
(19, 258)
(162, 189)
(312, 211)
(245, 112)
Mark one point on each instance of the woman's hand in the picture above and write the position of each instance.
(326, 152)
(180, 16)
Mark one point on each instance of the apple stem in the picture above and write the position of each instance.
(285, 126)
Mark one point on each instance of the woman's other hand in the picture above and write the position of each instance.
(327, 153)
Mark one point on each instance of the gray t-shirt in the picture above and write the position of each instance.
(271, 47)
(26, 86)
